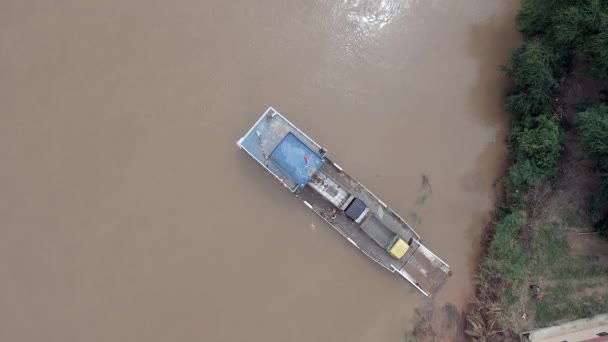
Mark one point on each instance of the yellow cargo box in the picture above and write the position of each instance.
(398, 249)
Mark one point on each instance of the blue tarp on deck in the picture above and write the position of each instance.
(296, 159)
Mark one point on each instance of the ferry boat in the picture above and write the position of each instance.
(302, 166)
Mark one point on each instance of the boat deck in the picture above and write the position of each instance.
(429, 271)
(281, 148)
(381, 211)
(421, 267)
(350, 230)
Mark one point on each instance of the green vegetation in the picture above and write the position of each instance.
(531, 242)
(506, 255)
(573, 27)
(593, 128)
(536, 146)
(535, 138)
(570, 280)
(531, 69)
(559, 304)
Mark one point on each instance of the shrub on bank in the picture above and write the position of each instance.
(535, 17)
(531, 69)
(582, 27)
(593, 130)
(521, 176)
(571, 27)
(596, 48)
(539, 142)
(506, 255)
(536, 145)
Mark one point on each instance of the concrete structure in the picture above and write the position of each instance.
(583, 330)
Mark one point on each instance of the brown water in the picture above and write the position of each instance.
(128, 214)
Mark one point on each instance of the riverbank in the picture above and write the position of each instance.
(551, 243)
(544, 260)
(544, 255)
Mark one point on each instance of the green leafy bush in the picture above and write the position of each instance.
(593, 129)
(526, 102)
(593, 40)
(536, 144)
(571, 24)
(539, 143)
(536, 17)
(523, 175)
(531, 68)
(506, 253)
(583, 28)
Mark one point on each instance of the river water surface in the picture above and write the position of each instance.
(128, 214)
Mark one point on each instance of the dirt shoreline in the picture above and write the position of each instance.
(445, 323)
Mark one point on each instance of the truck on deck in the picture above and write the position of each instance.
(301, 165)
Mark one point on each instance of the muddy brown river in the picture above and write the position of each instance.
(127, 213)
